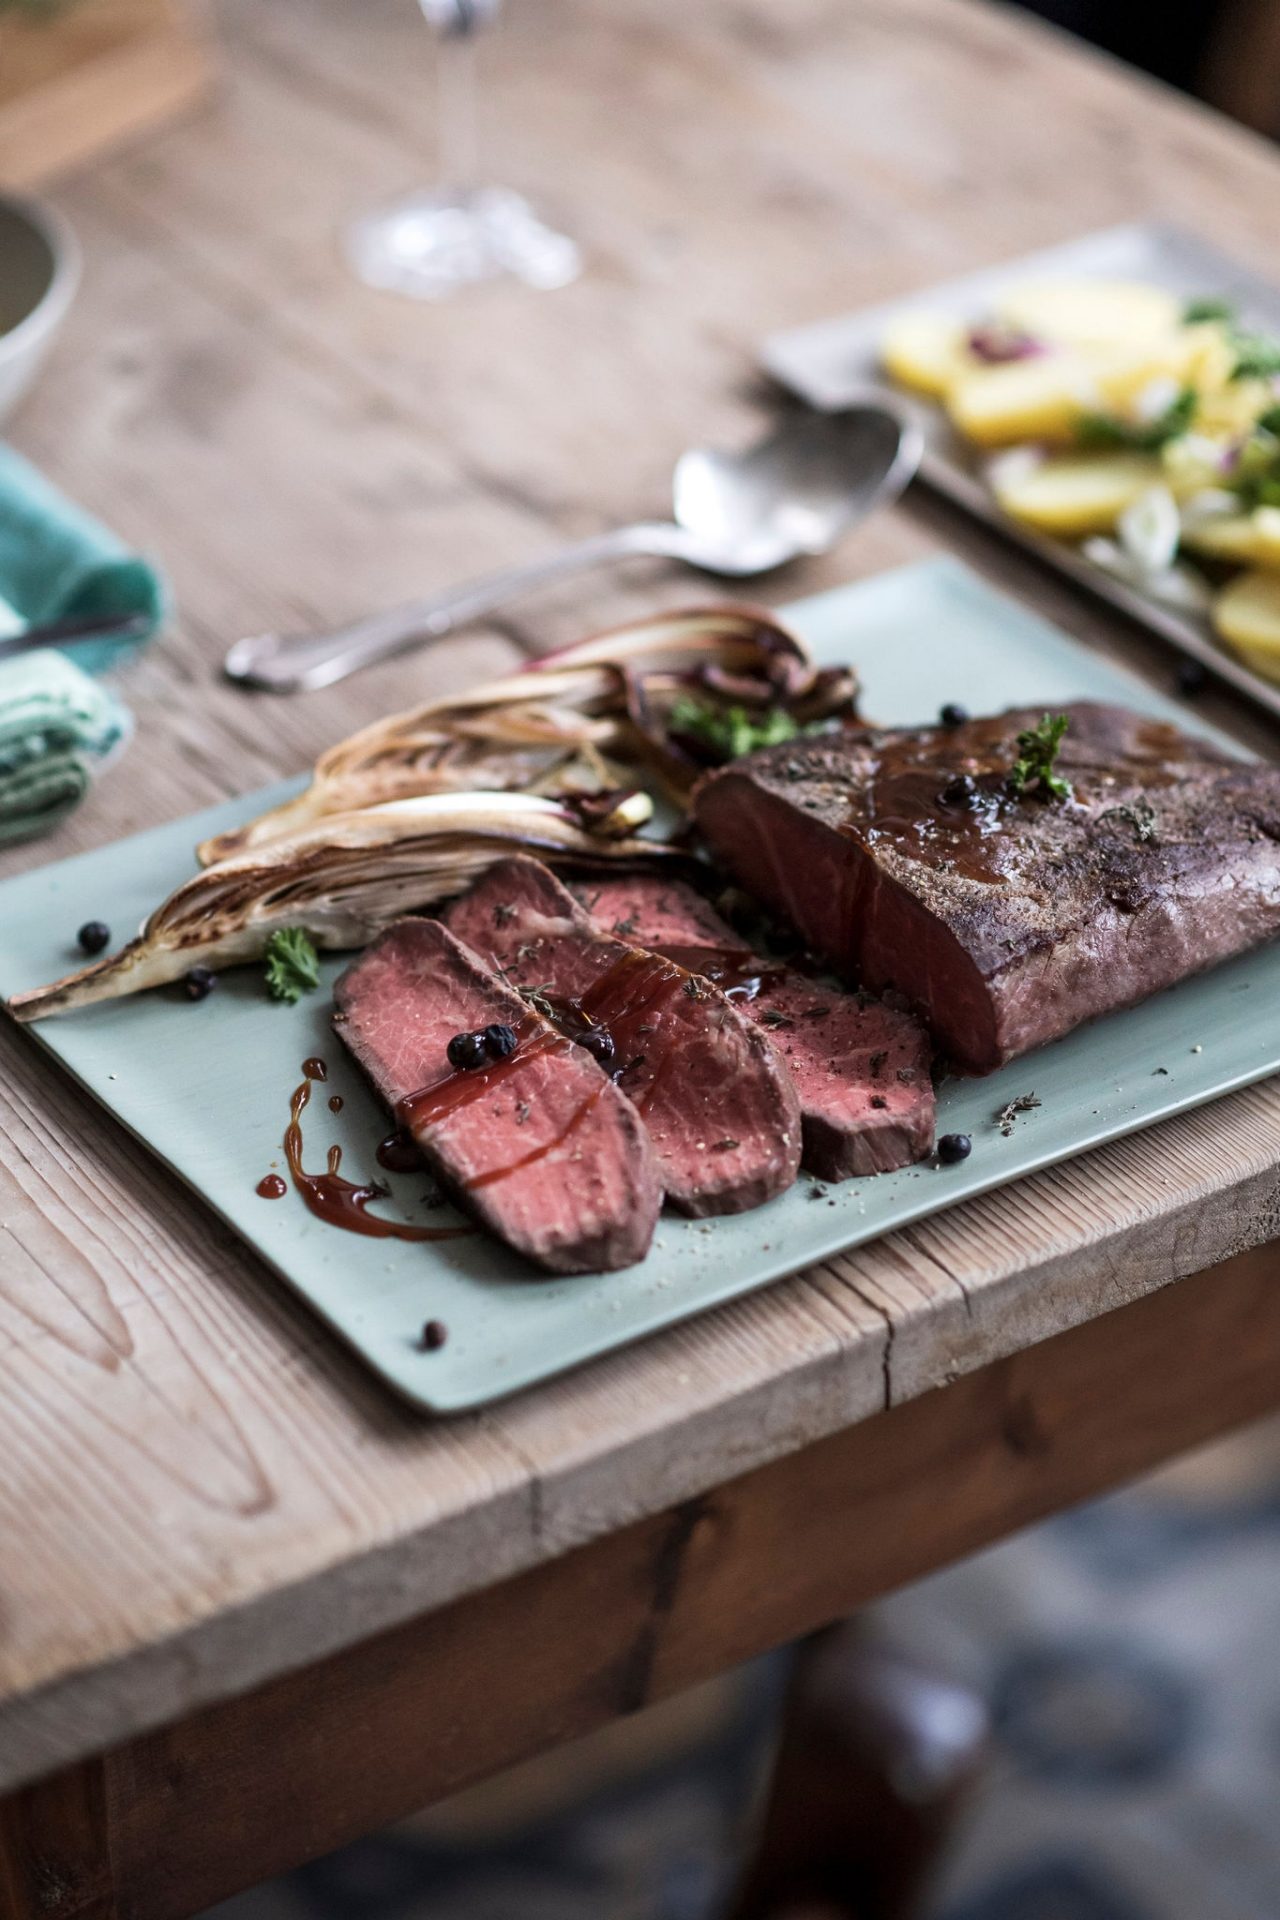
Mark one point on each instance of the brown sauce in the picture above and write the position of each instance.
(540, 1152)
(630, 989)
(461, 1087)
(398, 1154)
(737, 971)
(335, 1103)
(315, 1068)
(341, 1202)
(901, 803)
(616, 1004)
(271, 1187)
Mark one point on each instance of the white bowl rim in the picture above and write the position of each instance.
(56, 230)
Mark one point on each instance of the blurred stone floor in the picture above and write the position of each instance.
(1128, 1651)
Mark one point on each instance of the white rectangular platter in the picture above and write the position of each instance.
(207, 1085)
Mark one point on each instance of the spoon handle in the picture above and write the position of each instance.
(288, 663)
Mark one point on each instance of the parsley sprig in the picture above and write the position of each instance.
(1255, 472)
(293, 965)
(731, 731)
(1257, 356)
(1147, 436)
(1208, 308)
(1037, 750)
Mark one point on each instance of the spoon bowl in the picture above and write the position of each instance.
(795, 492)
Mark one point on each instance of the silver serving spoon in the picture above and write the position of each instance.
(735, 514)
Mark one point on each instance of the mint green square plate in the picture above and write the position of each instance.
(207, 1086)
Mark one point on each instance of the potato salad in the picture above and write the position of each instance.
(1142, 426)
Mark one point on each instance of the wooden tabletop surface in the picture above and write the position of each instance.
(199, 1488)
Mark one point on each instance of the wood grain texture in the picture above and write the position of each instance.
(73, 88)
(189, 1814)
(200, 1491)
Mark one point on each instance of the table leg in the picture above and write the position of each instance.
(875, 1762)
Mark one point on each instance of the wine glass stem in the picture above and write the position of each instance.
(459, 137)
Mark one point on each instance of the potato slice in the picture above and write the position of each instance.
(927, 352)
(1091, 313)
(1196, 463)
(1044, 398)
(1248, 539)
(1037, 399)
(1247, 615)
(1213, 358)
(1265, 665)
(1074, 494)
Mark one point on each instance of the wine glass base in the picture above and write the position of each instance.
(433, 244)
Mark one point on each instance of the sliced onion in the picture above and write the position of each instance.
(1150, 529)
(1177, 585)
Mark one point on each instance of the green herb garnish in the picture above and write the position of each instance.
(1037, 751)
(731, 731)
(1255, 471)
(293, 965)
(1147, 436)
(1257, 356)
(1207, 309)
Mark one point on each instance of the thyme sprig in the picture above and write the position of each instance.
(1038, 748)
(536, 997)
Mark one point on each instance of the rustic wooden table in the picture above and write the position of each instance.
(249, 1605)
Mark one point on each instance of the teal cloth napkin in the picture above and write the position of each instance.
(57, 562)
(57, 726)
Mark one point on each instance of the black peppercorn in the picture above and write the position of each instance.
(200, 983)
(599, 1043)
(467, 1050)
(434, 1335)
(953, 1147)
(500, 1040)
(1192, 677)
(93, 936)
(960, 792)
(953, 715)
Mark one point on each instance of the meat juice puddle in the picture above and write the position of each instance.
(332, 1198)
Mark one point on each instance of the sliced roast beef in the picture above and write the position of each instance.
(540, 1146)
(907, 859)
(718, 1103)
(861, 1068)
